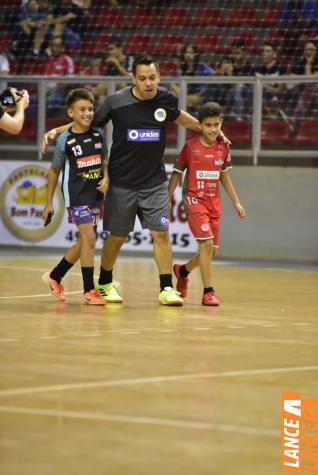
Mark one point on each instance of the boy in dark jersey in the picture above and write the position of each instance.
(82, 155)
(207, 160)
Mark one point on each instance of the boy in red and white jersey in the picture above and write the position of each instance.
(206, 160)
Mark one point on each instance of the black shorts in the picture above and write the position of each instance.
(123, 205)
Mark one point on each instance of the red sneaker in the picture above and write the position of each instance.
(56, 288)
(93, 297)
(182, 282)
(210, 300)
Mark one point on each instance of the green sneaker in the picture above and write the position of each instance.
(109, 292)
(170, 296)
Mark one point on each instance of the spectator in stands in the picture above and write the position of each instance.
(299, 17)
(234, 96)
(307, 104)
(118, 64)
(58, 64)
(270, 68)
(33, 27)
(190, 64)
(241, 67)
(96, 67)
(223, 92)
(70, 21)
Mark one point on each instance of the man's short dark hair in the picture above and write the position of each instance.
(79, 94)
(271, 44)
(210, 109)
(143, 60)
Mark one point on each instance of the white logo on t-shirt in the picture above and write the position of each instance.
(160, 114)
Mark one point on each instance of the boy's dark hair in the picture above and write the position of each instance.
(145, 60)
(210, 109)
(78, 94)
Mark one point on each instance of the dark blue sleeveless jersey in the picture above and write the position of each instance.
(81, 157)
(139, 136)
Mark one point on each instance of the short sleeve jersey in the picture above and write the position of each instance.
(139, 136)
(80, 156)
(203, 165)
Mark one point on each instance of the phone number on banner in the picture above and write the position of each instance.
(137, 239)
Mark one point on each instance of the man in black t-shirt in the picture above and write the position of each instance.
(140, 115)
(270, 68)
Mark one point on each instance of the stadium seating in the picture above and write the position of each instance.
(207, 43)
(162, 29)
(137, 44)
(168, 44)
(207, 17)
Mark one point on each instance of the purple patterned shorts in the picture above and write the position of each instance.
(86, 214)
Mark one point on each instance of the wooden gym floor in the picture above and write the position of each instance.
(139, 389)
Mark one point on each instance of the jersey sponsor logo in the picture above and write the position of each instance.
(96, 134)
(218, 162)
(209, 156)
(71, 141)
(143, 135)
(88, 161)
(160, 114)
(208, 174)
(98, 145)
(93, 174)
(87, 140)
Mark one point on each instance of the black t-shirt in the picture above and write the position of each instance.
(139, 136)
(77, 24)
(1, 112)
(274, 70)
(300, 68)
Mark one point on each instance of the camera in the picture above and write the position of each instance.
(7, 99)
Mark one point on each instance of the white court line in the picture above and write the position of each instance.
(39, 295)
(142, 420)
(152, 379)
(35, 269)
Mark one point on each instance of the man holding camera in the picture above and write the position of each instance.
(15, 101)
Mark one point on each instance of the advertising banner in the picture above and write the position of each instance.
(23, 191)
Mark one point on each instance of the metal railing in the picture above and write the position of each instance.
(256, 82)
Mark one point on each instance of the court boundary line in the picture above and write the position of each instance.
(142, 420)
(151, 380)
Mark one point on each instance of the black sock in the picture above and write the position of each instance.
(183, 271)
(208, 289)
(105, 276)
(60, 270)
(88, 278)
(165, 281)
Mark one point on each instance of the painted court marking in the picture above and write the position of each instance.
(152, 379)
(206, 426)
